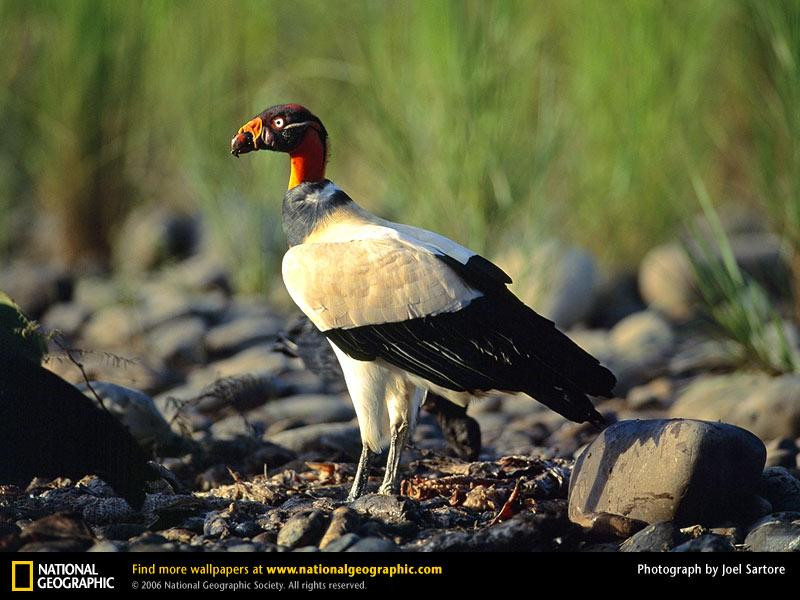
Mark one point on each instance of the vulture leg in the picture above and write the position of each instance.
(403, 406)
(362, 473)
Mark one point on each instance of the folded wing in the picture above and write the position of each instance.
(445, 316)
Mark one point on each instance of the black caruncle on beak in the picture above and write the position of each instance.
(242, 143)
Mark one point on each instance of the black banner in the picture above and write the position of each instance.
(354, 573)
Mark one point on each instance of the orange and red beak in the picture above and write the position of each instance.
(247, 138)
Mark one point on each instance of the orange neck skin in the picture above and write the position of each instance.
(308, 159)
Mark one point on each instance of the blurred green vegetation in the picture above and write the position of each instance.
(495, 123)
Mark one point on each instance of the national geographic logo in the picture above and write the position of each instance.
(21, 575)
(27, 576)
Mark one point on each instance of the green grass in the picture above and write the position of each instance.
(735, 304)
(496, 123)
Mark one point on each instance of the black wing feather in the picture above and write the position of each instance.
(494, 343)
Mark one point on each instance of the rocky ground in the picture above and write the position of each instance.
(258, 452)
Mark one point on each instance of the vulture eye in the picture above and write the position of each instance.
(278, 122)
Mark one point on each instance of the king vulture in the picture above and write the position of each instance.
(407, 310)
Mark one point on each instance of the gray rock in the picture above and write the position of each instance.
(341, 543)
(640, 346)
(36, 287)
(666, 281)
(179, 342)
(161, 304)
(782, 452)
(678, 470)
(303, 529)
(658, 537)
(255, 361)
(559, 281)
(96, 292)
(154, 235)
(656, 394)
(373, 544)
(233, 426)
(216, 525)
(644, 338)
(779, 532)
(237, 335)
(306, 408)
(138, 413)
(202, 272)
(242, 548)
(708, 542)
(781, 489)
(344, 437)
(111, 327)
(104, 546)
(767, 406)
(67, 318)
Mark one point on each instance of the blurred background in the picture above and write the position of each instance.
(492, 122)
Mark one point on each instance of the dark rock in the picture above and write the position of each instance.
(394, 510)
(74, 545)
(658, 537)
(120, 531)
(373, 544)
(779, 532)
(57, 526)
(9, 537)
(677, 470)
(247, 529)
(599, 547)
(709, 542)
(780, 489)
(525, 532)
(303, 529)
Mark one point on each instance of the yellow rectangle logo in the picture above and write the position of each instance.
(23, 583)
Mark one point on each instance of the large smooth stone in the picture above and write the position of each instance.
(678, 470)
